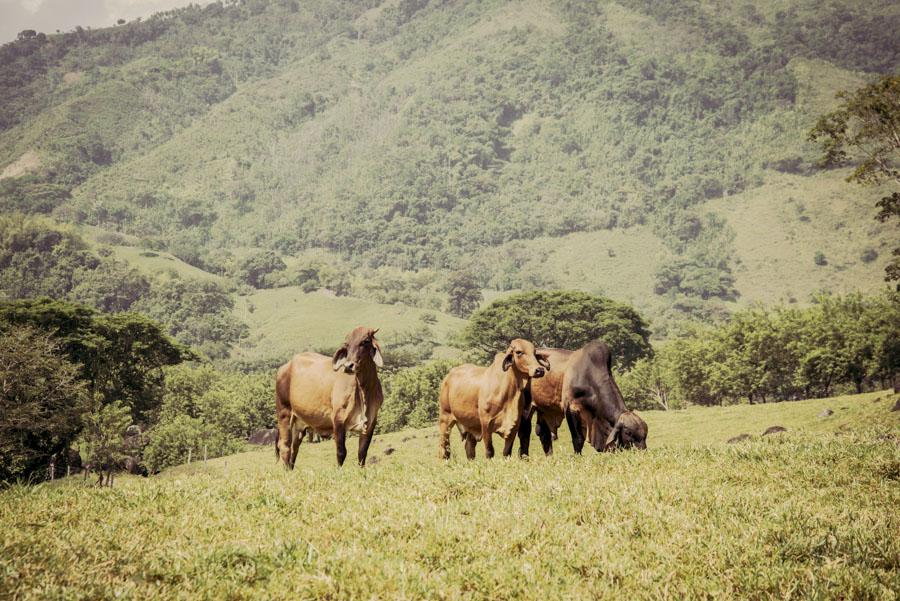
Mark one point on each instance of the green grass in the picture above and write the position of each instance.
(285, 321)
(806, 514)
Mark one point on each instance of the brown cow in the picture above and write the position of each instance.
(595, 409)
(330, 395)
(582, 390)
(483, 400)
(544, 399)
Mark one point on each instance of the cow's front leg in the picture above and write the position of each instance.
(364, 440)
(340, 442)
(487, 434)
(509, 441)
(577, 430)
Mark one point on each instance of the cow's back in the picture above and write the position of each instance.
(310, 380)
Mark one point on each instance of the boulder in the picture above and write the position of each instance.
(896, 406)
(826, 413)
(263, 437)
(133, 465)
(774, 430)
(739, 438)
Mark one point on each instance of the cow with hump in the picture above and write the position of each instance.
(482, 401)
(594, 406)
(330, 395)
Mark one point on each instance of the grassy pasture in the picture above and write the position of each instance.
(285, 321)
(810, 513)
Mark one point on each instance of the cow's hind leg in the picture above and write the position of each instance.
(445, 424)
(525, 434)
(283, 441)
(470, 445)
(297, 434)
(545, 434)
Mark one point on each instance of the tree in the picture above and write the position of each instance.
(42, 400)
(867, 125)
(649, 384)
(120, 355)
(255, 268)
(104, 436)
(563, 319)
(463, 294)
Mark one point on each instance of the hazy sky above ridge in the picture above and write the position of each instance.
(49, 15)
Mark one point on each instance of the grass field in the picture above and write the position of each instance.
(810, 513)
(284, 321)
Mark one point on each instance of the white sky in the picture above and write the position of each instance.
(49, 15)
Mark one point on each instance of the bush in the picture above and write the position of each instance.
(411, 397)
(171, 441)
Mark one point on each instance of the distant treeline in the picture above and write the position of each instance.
(845, 343)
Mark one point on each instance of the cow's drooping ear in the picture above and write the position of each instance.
(339, 359)
(544, 360)
(613, 437)
(507, 360)
(376, 353)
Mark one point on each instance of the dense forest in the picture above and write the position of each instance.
(174, 190)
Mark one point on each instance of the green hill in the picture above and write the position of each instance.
(807, 513)
(610, 146)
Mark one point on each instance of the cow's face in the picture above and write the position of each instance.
(521, 356)
(629, 432)
(359, 349)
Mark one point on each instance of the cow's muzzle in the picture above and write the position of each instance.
(538, 373)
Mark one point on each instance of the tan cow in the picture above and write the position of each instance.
(483, 400)
(330, 395)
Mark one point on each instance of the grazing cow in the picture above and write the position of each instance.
(330, 396)
(483, 400)
(594, 406)
(544, 399)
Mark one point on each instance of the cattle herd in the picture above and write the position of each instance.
(315, 394)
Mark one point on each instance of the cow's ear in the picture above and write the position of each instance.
(339, 358)
(507, 360)
(612, 438)
(544, 360)
(376, 354)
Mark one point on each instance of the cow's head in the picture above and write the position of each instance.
(521, 356)
(630, 431)
(358, 350)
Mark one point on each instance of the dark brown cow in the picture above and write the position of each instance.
(329, 396)
(483, 400)
(595, 409)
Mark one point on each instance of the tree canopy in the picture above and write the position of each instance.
(562, 319)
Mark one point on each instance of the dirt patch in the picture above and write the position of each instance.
(26, 163)
(774, 430)
(73, 77)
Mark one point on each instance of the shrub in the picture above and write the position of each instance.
(171, 441)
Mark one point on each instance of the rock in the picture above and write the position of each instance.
(263, 437)
(896, 406)
(738, 438)
(133, 430)
(774, 430)
(389, 450)
(133, 466)
(826, 413)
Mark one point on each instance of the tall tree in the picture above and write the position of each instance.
(42, 399)
(561, 318)
(866, 125)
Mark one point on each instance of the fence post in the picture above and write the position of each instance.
(204, 453)
(189, 456)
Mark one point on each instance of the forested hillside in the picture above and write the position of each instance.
(652, 151)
